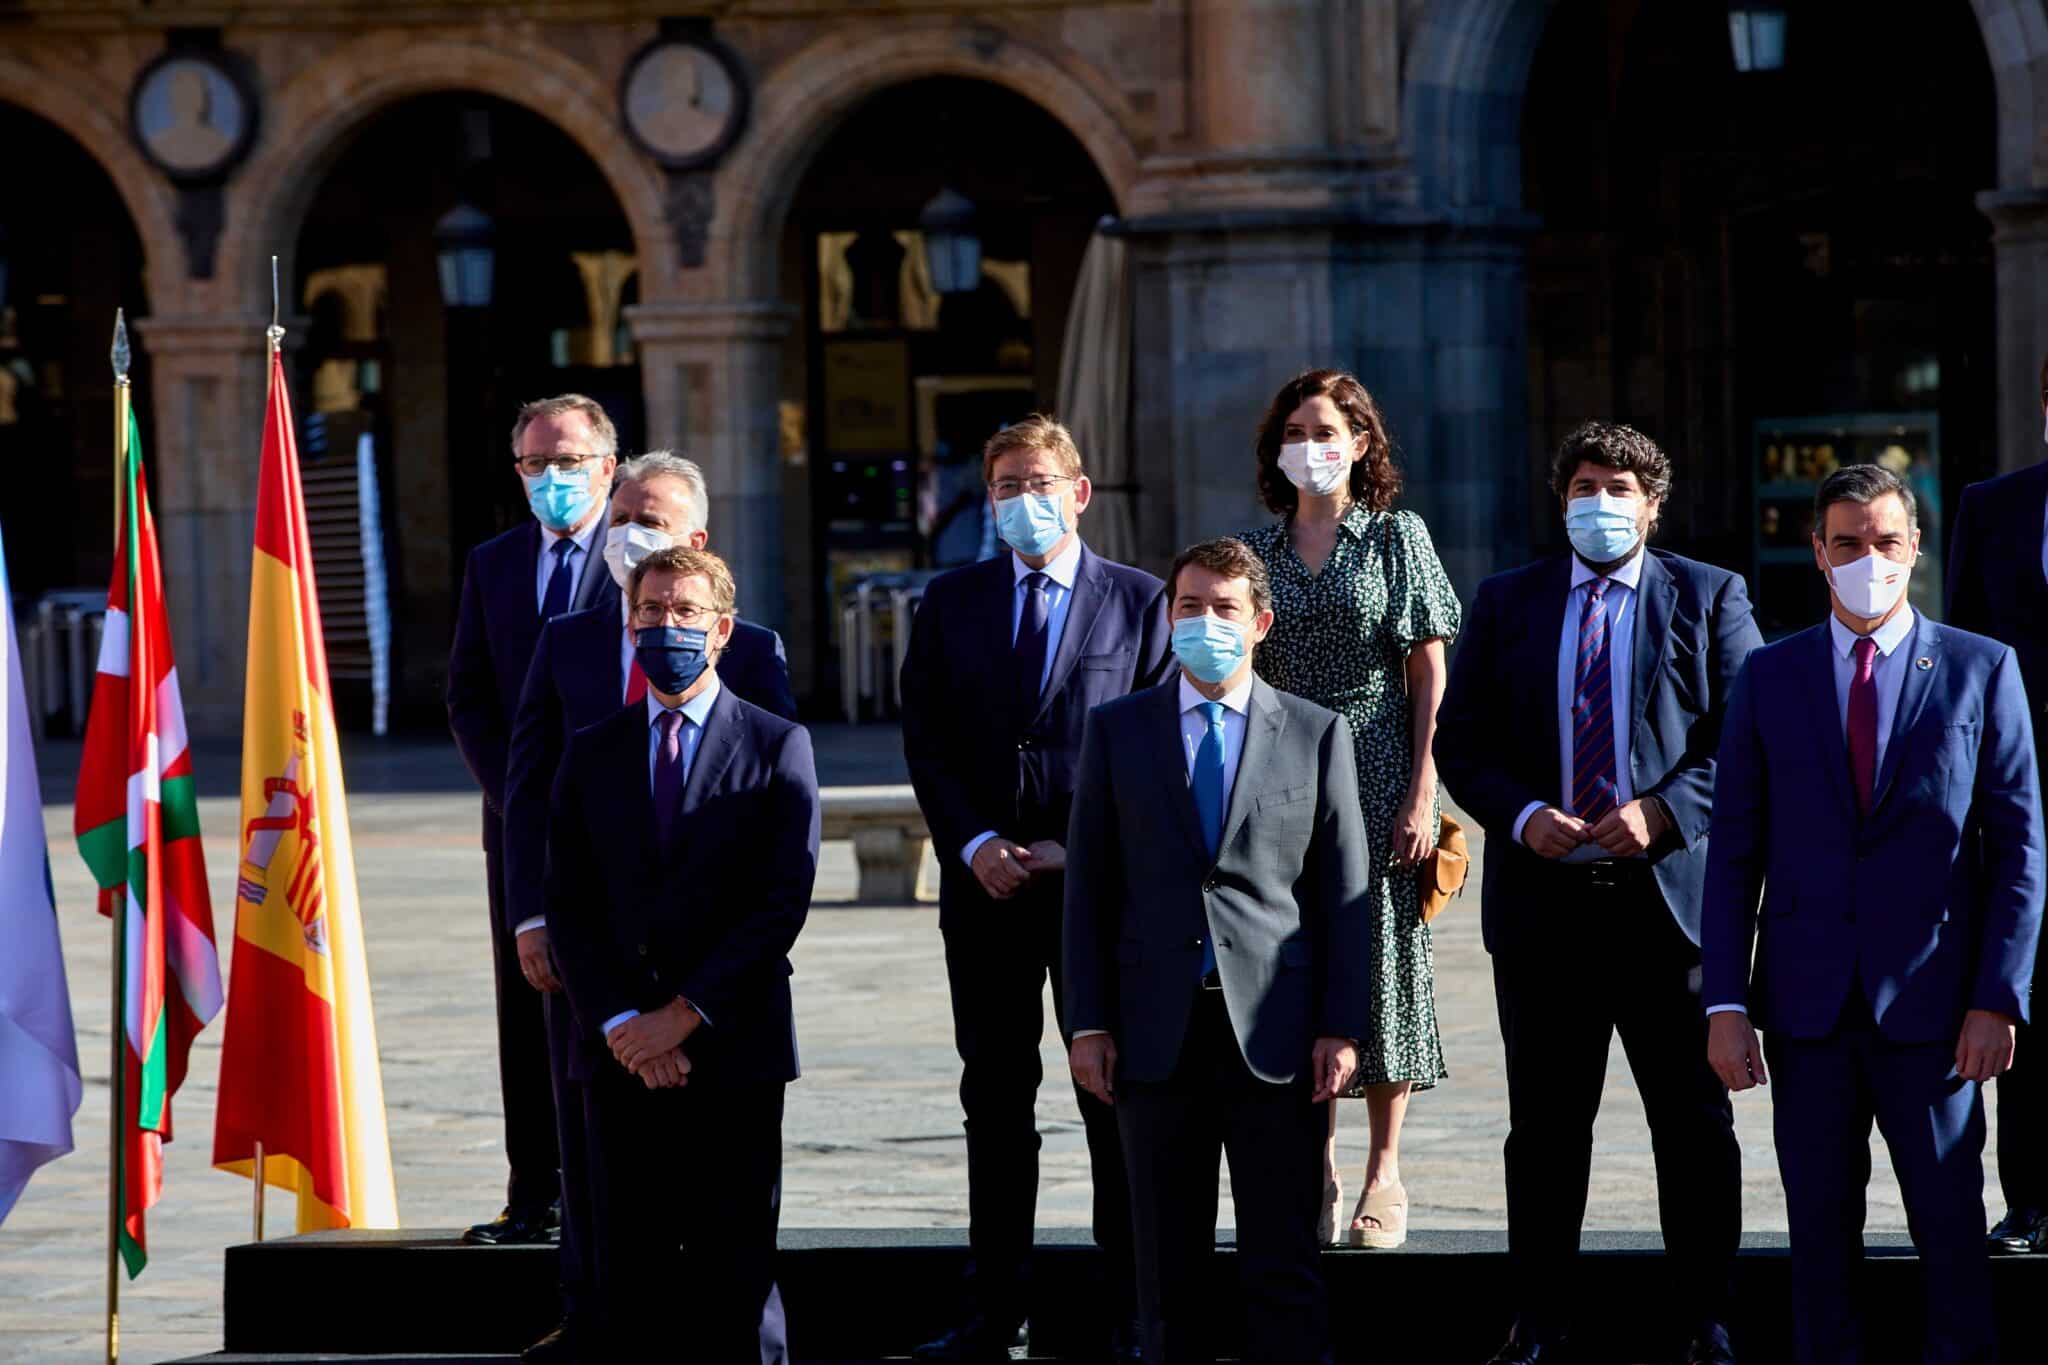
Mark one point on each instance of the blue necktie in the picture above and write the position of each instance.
(562, 582)
(1594, 787)
(1034, 633)
(1208, 789)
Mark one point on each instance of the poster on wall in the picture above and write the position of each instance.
(867, 397)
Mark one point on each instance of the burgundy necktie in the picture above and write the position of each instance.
(668, 773)
(1863, 723)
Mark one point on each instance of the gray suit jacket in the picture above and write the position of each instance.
(1284, 901)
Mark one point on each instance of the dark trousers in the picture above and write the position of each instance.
(571, 1135)
(696, 1169)
(2023, 1124)
(1607, 960)
(524, 1077)
(1174, 1132)
(997, 962)
(1825, 1092)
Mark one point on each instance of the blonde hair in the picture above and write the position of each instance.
(561, 405)
(687, 563)
(1036, 432)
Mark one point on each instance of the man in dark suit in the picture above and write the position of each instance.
(1998, 586)
(583, 670)
(682, 849)
(1595, 801)
(564, 449)
(1877, 784)
(1006, 659)
(1218, 944)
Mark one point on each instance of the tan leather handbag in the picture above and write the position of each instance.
(1443, 871)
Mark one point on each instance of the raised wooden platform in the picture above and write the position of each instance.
(870, 1295)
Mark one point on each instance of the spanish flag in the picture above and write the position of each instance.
(298, 1070)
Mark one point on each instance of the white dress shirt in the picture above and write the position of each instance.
(695, 711)
(1193, 729)
(1620, 606)
(579, 559)
(1887, 674)
(1059, 594)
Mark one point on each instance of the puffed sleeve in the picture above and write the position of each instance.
(1420, 602)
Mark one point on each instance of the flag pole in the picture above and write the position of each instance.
(274, 335)
(258, 1173)
(118, 1075)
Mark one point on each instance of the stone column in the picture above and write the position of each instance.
(2019, 248)
(209, 376)
(712, 373)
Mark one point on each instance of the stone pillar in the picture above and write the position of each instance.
(2019, 247)
(209, 376)
(712, 373)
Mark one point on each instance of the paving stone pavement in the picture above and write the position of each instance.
(872, 1135)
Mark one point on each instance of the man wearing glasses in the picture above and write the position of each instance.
(564, 450)
(682, 849)
(1006, 659)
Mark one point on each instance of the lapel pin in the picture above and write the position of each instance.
(1923, 663)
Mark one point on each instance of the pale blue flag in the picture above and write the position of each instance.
(39, 1084)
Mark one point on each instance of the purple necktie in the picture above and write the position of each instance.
(1593, 783)
(668, 774)
(1863, 723)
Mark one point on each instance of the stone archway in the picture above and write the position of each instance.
(312, 116)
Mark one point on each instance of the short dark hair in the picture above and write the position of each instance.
(1226, 557)
(1611, 445)
(1860, 483)
(1375, 482)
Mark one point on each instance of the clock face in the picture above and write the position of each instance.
(684, 102)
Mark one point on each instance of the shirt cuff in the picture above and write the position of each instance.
(527, 926)
(974, 846)
(1081, 1033)
(1522, 820)
(1727, 1009)
(615, 1021)
(702, 1017)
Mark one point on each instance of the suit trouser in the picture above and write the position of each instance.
(524, 1075)
(1174, 1132)
(696, 1169)
(571, 1131)
(997, 963)
(1825, 1092)
(1611, 960)
(2023, 1125)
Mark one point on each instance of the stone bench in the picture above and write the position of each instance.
(889, 840)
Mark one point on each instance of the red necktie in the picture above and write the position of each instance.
(636, 684)
(1863, 723)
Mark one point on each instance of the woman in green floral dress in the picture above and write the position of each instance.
(1363, 614)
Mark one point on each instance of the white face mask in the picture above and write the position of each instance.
(1318, 467)
(627, 544)
(1871, 586)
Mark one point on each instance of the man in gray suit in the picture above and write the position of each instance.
(1216, 946)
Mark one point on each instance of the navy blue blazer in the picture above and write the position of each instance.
(576, 680)
(1932, 903)
(711, 915)
(1497, 741)
(1996, 585)
(495, 632)
(976, 760)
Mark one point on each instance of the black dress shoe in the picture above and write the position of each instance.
(2020, 1233)
(1525, 1349)
(979, 1340)
(556, 1348)
(515, 1227)
(1127, 1342)
(1710, 1347)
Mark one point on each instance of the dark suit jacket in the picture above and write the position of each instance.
(1497, 738)
(495, 631)
(1285, 899)
(1932, 903)
(575, 680)
(710, 917)
(1995, 582)
(977, 762)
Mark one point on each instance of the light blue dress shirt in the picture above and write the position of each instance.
(579, 560)
(1059, 594)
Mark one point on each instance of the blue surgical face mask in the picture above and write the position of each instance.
(672, 657)
(1209, 647)
(559, 500)
(1602, 527)
(1031, 523)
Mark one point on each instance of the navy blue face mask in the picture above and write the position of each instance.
(672, 657)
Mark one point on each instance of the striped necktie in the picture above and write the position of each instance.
(1593, 780)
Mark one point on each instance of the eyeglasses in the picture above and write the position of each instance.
(662, 614)
(533, 466)
(1039, 484)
